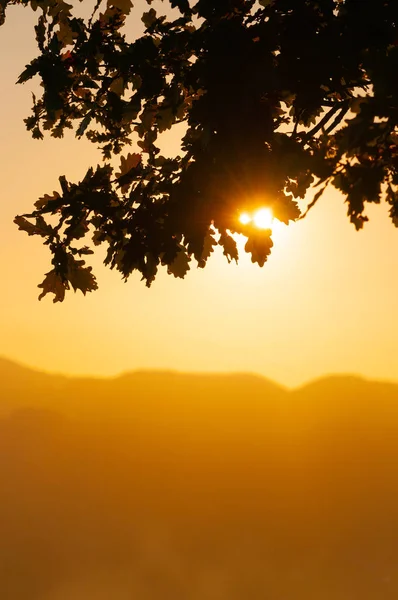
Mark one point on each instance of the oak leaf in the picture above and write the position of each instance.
(127, 165)
(124, 6)
(180, 265)
(148, 18)
(39, 228)
(80, 277)
(53, 284)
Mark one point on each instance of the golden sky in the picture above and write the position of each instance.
(325, 302)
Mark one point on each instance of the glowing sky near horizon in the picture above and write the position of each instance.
(325, 301)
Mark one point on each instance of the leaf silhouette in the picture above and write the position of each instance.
(262, 123)
(53, 284)
(148, 18)
(259, 246)
(127, 165)
(230, 247)
(40, 228)
(208, 248)
(44, 200)
(180, 265)
(80, 277)
(124, 6)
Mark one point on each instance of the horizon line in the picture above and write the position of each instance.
(174, 371)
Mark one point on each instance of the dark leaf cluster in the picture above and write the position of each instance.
(276, 96)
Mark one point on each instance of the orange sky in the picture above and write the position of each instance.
(325, 302)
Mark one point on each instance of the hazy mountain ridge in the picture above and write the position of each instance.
(60, 392)
(204, 406)
(219, 487)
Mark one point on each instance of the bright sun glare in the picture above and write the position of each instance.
(245, 219)
(262, 219)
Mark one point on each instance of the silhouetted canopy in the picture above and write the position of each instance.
(276, 96)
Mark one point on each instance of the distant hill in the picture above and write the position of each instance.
(151, 397)
(181, 486)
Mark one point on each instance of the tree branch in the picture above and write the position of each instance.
(341, 106)
(313, 202)
(96, 7)
(338, 119)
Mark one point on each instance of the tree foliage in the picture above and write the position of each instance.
(277, 96)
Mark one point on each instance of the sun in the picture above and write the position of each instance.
(245, 218)
(262, 219)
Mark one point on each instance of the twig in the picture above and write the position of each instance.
(338, 119)
(96, 7)
(313, 202)
(325, 120)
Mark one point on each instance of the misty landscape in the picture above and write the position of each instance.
(160, 485)
(204, 194)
